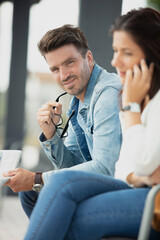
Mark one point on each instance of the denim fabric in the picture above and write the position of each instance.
(78, 205)
(28, 200)
(94, 134)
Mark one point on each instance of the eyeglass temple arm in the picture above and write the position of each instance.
(66, 126)
(57, 99)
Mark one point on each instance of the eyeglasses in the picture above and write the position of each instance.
(57, 126)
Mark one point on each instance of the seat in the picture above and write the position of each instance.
(147, 217)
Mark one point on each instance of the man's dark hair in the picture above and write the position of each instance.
(64, 35)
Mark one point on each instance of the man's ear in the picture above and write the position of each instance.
(89, 58)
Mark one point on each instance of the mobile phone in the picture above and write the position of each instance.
(147, 62)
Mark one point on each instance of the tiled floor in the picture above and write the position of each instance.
(13, 221)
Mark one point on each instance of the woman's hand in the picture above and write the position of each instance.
(154, 178)
(137, 83)
(140, 181)
(135, 180)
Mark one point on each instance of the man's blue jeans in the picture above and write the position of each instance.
(28, 201)
(77, 205)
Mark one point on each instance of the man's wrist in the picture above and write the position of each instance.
(49, 135)
(43, 138)
(38, 182)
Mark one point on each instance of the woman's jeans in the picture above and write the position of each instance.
(76, 205)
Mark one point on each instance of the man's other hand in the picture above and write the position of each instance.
(21, 179)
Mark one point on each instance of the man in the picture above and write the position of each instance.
(94, 133)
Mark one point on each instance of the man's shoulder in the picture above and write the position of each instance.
(106, 79)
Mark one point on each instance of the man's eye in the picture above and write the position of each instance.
(54, 70)
(70, 62)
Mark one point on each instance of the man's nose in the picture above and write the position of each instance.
(63, 74)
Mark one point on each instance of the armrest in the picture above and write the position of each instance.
(156, 213)
(148, 213)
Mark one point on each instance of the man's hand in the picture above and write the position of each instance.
(21, 179)
(44, 116)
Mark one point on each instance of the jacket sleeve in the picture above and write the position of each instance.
(62, 155)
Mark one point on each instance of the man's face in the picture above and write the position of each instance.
(70, 70)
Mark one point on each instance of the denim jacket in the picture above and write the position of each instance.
(94, 133)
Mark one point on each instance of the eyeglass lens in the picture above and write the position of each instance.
(67, 124)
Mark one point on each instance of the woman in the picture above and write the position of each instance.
(90, 206)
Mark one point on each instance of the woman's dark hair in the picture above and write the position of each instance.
(61, 36)
(144, 27)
